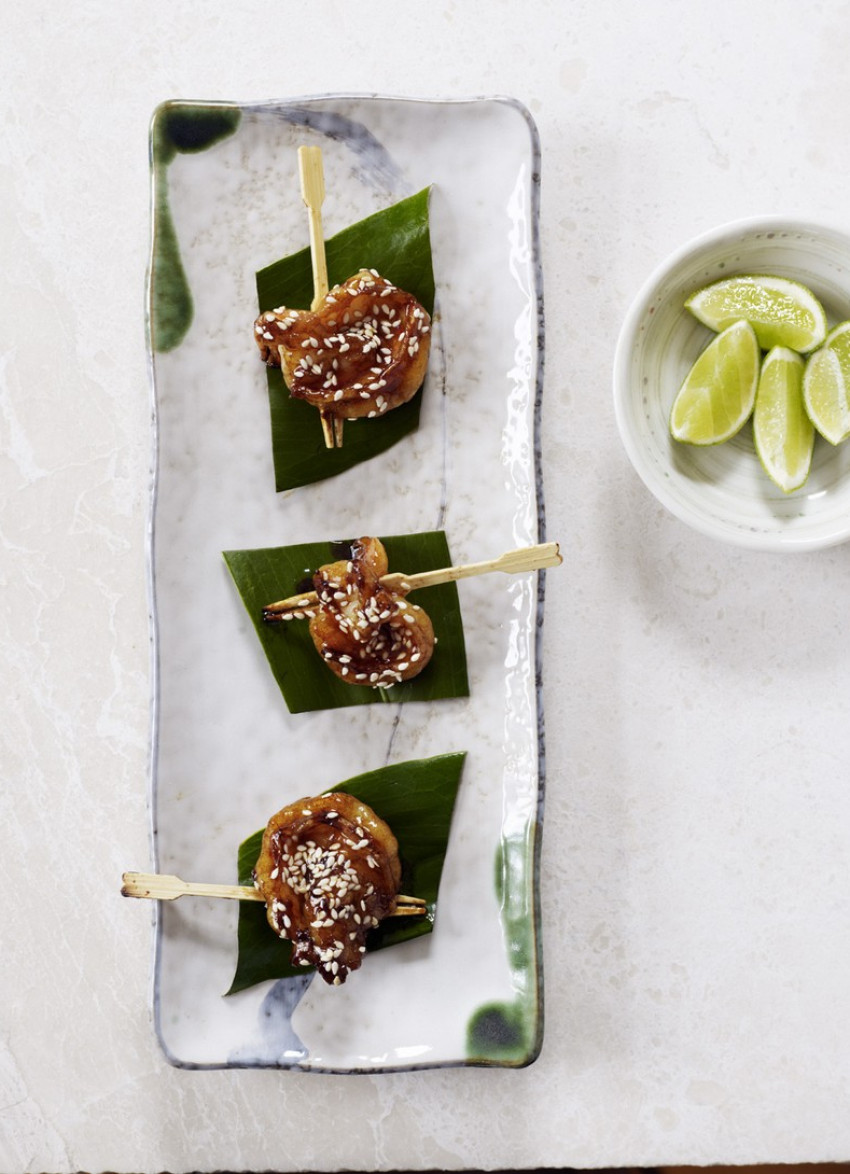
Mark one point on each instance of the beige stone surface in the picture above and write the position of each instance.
(695, 866)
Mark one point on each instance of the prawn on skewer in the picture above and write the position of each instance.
(368, 633)
(361, 621)
(329, 872)
(362, 347)
(362, 352)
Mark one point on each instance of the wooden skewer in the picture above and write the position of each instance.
(328, 428)
(527, 558)
(312, 175)
(159, 887)
(326, 417)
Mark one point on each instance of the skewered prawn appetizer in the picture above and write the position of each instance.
(361, 624)
(329, 872)
(362, 352)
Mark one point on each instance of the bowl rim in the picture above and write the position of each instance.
(776, 540)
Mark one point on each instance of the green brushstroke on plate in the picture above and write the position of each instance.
(509, 1032)
(416, 799)
(264, 575)
(499, 1033)
(396, 242)
(185, 129)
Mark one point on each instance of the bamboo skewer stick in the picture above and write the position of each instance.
(326, 418)
(527, 558)
(312, 177)
(313, 194)
(328, 428)
(159, 887)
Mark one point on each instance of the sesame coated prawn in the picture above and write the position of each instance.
(366, 633)
(361, 353)
(329, 872)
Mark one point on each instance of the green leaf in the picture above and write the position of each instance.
(396, 242)
(417, 800)
(267, 574)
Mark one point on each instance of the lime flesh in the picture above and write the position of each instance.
(782, 312)
(782, 431)
(718, 393)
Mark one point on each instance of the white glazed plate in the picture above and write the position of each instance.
(226, 753)
(722, 490)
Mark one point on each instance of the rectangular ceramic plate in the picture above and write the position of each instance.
(226, 753)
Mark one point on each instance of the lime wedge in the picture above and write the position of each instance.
(826, 384)
(782, 312)
(719, 391)
(782, 432)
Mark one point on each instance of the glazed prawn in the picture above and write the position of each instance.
(360, 353)
(366, 632)
(329, 872)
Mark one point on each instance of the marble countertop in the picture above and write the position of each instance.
(696, 872)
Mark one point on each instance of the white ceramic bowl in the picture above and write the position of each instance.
(722, 490)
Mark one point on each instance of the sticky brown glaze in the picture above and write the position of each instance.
(365, 633)
(363, 352)
(329, 872)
